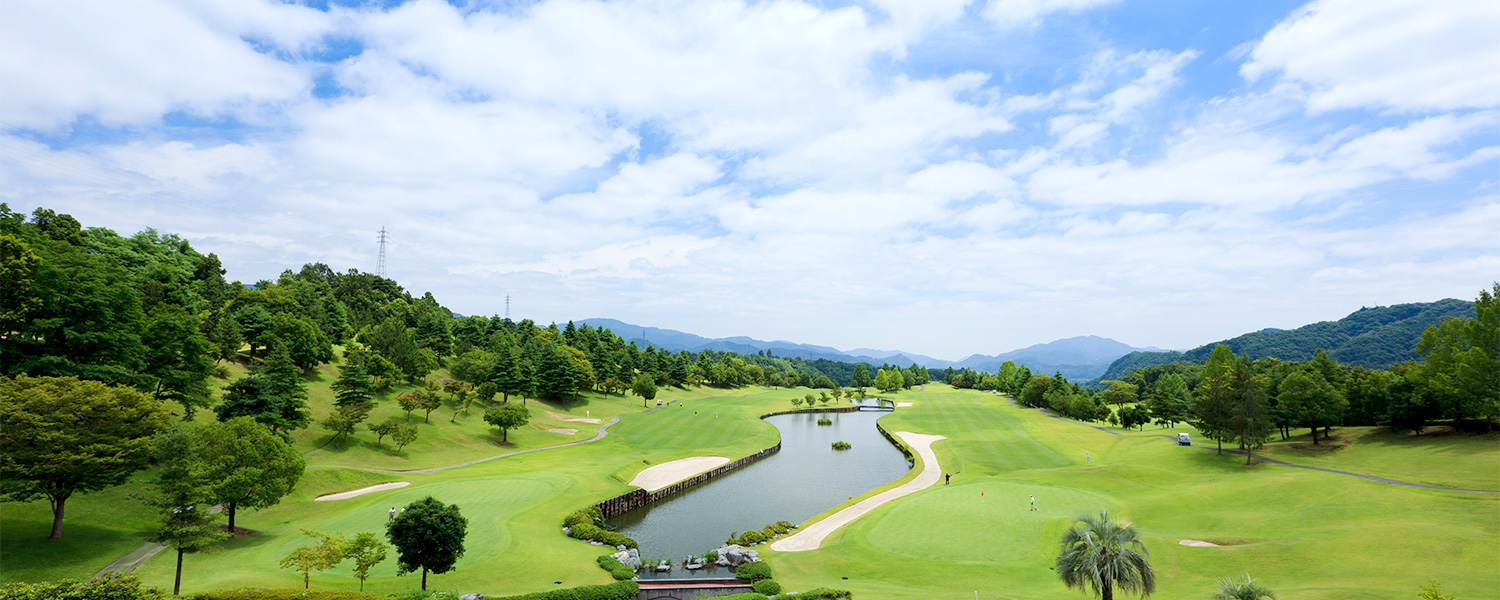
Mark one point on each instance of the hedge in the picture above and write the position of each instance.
(110, 586)
(616, 569)
(768, 587)
(819, 594)
(285, 594)
(754, 571)
(619, 590)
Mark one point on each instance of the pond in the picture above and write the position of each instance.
(805, 478)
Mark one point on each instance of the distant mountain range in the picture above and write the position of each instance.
(1084, 357)
(1370, 337)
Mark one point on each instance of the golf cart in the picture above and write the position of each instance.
(1182, 440)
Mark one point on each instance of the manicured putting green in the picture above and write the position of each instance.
(982, 521)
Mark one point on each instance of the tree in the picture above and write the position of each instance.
(427, 535)
(1134, 416)
(345, 421)
(1229, 589)
(182, 492)
(1462, 361)
(18, 265)
(247, 465)
(507, 374)
(367, 551)
(255, 396)
(410, 401)
(324, 555)
(256, 326)
(1433, 591)
(1213, 409)
(507, 417)
(405, 434)
(226, 337)
(645, 387)
(1034, 394)
(353, 384)
(1121, 393)
(1250, 422)
(796, 403)
(428, 401)
(1102, 553)
(1170, 400)
(1311, 401)
(861, 377)
(64, 435)
(385, 428)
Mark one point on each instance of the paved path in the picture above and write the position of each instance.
(362, 491)
(132, 559)
(1274, 461)
(810, 537)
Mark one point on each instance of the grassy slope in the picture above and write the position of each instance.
(1314, 535)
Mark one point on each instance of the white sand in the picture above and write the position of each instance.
(659, 476)
(810, 537)
(1198, 544)
(361, 491)
(564, 431)
(563, 417)
(901, 404)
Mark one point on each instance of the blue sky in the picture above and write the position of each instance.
(938, 176)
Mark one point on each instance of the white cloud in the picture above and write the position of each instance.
(1015, 13)
(127, 63)
(1417, 55)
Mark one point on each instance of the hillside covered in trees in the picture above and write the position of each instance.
(1374, 338)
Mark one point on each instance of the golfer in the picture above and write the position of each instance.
(1033, 502)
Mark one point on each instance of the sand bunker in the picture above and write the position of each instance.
(810, 537)
(563, 417)
(564, 431)
(361, 491)
(665, 474)
(901, 404)
(1198, 544)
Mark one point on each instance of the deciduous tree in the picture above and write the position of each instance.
(247, 465)
(507, 417)
(429, 536)
(63, 435)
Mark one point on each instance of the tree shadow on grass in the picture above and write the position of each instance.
(83, 549)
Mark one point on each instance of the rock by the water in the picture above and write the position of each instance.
(471, 597)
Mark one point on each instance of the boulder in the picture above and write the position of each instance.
(471, 597)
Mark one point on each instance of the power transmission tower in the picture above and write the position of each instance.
(380, 262)
(507, 307)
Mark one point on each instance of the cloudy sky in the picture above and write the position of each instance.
(937, 176)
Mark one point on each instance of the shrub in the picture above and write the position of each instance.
(110, 586)
(821, 594)
(301, 594)
(754, 571)
(616, 569)
(825, 421)
(712, 555)
(619, 590)
(841, 445)
(744, 596)
(588, 531)
(768, 587)
(751, 537)
(589, 515)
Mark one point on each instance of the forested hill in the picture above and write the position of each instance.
(1369, 337)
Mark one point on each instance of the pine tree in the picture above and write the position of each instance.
(353, 385)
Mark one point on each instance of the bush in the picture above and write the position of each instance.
(110, 586)
(587, 531)
(750, 537)
(825, 421)
(619, 590)
(589, 515)
(820, 594)
(768, 587)
(754, 571)
(616, 569)
(301, 594)
(841, 445)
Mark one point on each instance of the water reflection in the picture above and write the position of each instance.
(805, 478)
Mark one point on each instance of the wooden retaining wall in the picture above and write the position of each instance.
(895, 442)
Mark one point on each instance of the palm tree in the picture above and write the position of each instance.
(1103, 553)
(1229, 589)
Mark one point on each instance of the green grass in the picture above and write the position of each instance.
(1306, 534)
(97, 528)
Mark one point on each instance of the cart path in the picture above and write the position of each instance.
(1272, 460)
(602, 432)
(810, 537)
